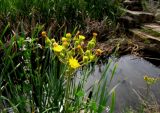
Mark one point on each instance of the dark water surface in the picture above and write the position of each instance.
(130, 73)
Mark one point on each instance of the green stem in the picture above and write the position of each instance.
(67, 92)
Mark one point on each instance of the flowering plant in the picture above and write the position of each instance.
(74, 53)
(72, 50)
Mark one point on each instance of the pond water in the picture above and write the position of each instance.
(130, 72)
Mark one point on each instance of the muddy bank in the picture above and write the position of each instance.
(148, 49)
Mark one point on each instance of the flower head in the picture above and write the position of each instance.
(79, 47)
(88, 52)
(68, 35)
(53, 40)
(57, 48)
(44, 34)
(64, 39)
(99, 52)
(92, 57)
(65, 44)
(145, 78)
(74, 63)
(81, 37)
(94, 34)
(85, 59)
(91, 45)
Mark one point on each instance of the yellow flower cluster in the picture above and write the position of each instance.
(150, 80)
(71, 50)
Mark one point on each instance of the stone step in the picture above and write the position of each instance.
(128, 22)
(158, 22)
(140, 16)
(140, 34)
(134, 5)
(152, 26)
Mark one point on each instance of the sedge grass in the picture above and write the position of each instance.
(63, 11)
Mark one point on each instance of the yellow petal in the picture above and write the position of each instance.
(74, 63)
(58, 48)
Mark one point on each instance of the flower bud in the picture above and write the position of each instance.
(55, 44)
(68, 35)
(85, 59)
(81, 37)
(94, 34)
(53, 40)
(79, 47)
(44, 34)
(91, 45)
(99, 52)
(48, 41)
(64, 39)
(65, 44)
(76, 43)
(62, 54)
(145, 78)
(88, 52)
(92, 57)
(71, 52)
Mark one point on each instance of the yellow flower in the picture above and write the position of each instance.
(68, 35)
(99, 52)
(64, 39)
(81, 37)
(57, 48)
(94, 34)
(44, 34)
(150, 80)
(79, 47)
(65, 44)
(145, 78)
(74, 63)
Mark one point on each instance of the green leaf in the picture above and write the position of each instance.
(113, 102)
(80, 93)
(8, 25)
(93, 106)
(113, 72)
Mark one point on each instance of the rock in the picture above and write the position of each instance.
(153, 26)
(138, 33)
(157, 15)
(133, 5)
(127, 22)
(141, 16)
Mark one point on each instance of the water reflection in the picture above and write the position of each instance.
(130, 71)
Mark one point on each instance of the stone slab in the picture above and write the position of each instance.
(133, 5)
(143, 35)
(141, 16)
(153, 26)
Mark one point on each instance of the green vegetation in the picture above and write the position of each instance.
(45, 69)
(70, 13)
(39, 74)
(42, 74)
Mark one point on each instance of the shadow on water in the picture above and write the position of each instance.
(130, 73)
